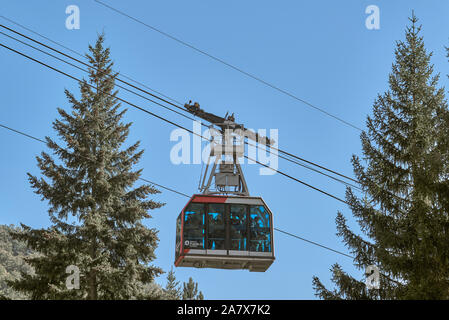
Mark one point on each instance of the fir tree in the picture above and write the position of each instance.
(95, 211)
(404, 214)
(190, 291)
(12, 264)
(172, 290)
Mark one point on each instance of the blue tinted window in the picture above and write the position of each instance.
(216, 227)
(194, 226)
(238, 227)
(260, 238)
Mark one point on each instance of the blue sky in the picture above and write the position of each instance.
(320, 51)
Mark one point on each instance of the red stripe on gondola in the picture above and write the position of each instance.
(206, 199)
(178, 261)
(181, 257)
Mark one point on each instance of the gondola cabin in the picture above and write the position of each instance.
(225, 232)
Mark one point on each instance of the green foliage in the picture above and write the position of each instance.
(190, 291)
(152, 291)
(95, 212)
(404, 214)
(12, 263)
(172, 289)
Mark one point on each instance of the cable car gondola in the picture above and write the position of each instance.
(226, 232)
(225, 227)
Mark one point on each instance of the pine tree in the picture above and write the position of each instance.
(172, 290)
(12, 264)
(404, 214)
(190, 291)
(95, 212)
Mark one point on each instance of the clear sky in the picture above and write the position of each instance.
(319, 50)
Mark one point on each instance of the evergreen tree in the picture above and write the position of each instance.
(172, 290)
(12, 263)
(404, 213)
(153, 291)
(190, 291)
(95, 212)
